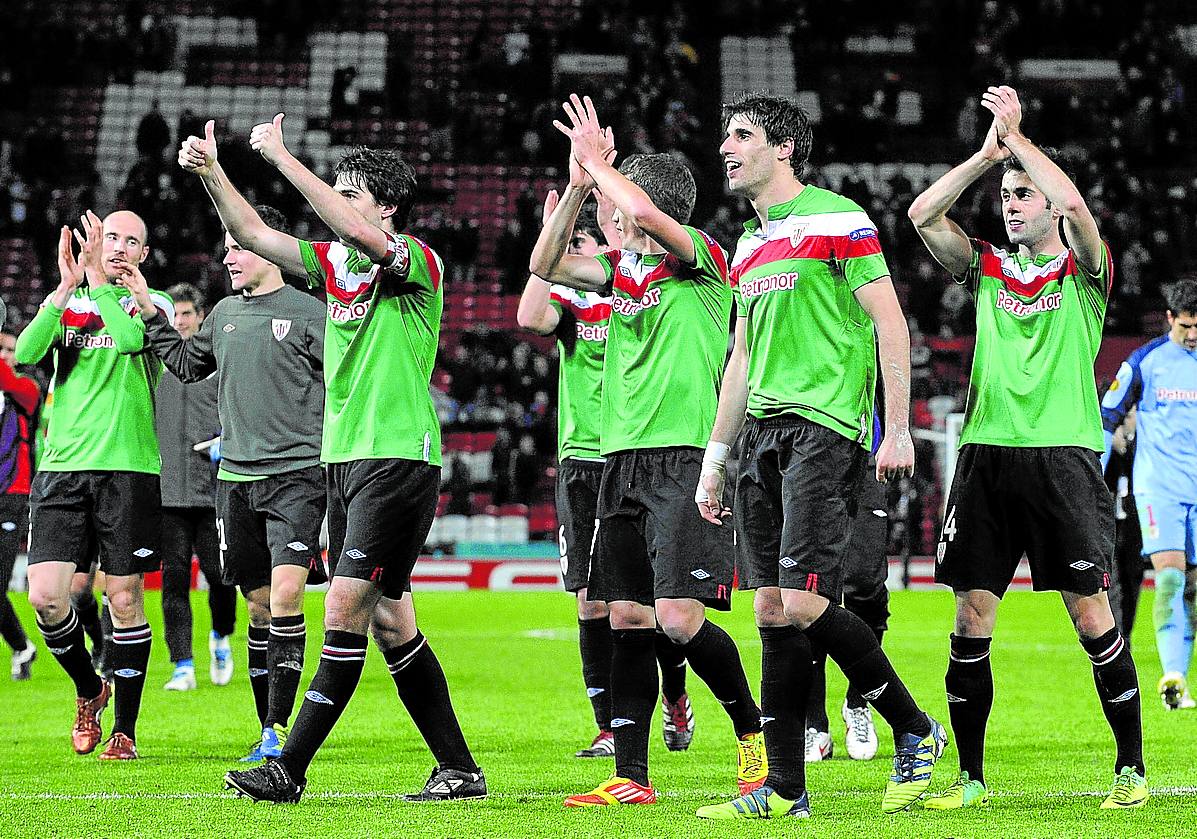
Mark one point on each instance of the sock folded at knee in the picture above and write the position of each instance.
(715, 659)
(1118, 689)
(969, 686)
(284, 651)
(424, 692)
(341, 661)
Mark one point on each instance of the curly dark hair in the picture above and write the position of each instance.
(272, 217)
(385, 175)
(780, 118)
(669, 184)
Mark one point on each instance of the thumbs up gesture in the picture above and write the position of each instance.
(199, 155)
(267, 140)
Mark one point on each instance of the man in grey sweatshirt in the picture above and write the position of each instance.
(266, 346)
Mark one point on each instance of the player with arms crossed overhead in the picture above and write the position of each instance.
(265, 343)
(579, 319)
(97, 483)
(384, 311)
(655, 560)
(1029, 478)
(1160, 381)
(808, 265)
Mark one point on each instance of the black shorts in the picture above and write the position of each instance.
(866, 563)
(72, 515)
(651, 542)
(1049, 503)
(794, 504)
(379, 514)
(14, 529)
(577, 507)
(271, 522)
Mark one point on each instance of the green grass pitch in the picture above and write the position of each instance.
(512, 663)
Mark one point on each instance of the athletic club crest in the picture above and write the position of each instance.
(280, 328)
(796, 234)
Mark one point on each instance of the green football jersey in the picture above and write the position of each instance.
(379, 350)
(666, 347)
(581, 346)
(105, 377)
(1038, 332)
(812, 350)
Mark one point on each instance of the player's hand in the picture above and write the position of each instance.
(199, 155)
(91, 249)
(130, 277)
(590, 143)
(992, 149)
(267, 140)
(709, 495)
(550, 204)
(895, 458)
(70, 272)
(1003, 103)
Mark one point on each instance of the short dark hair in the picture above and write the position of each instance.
(669, 184)
(187, 293)
(387, 176)
(272, 217)
(1013, 164)
(588, 222)
(780, 118)
(1182, 297)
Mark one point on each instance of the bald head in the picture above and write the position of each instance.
(125, 236)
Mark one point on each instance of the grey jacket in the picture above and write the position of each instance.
(268, 355)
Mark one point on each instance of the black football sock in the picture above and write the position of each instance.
(672, 662)
(130, 657)
(259, 669)
(424, 692)
(1118, 688)
(816, 702)
(853, 697)
(633, 698)
(594, 643)
(284, 652)
(340, 669)
(106, 631)
(785, 682)
(714, 657)
(65, 642)
(88, 609)
(969, 684)
(853, 646)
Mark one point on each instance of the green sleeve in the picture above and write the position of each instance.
(128, 332)
(710, 262)
(972, 274)
(859, 271)
(36, 338)
(310, 262)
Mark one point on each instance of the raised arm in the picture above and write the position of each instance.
(895, 458)
(1057, 187)
(128, 333)
(535, 312)
(587, 139)
(236, 214)
(36, 339)
(945, 239)
(332, 207)
(549, 260)
(729, 418)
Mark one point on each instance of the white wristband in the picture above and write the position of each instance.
(715, 457)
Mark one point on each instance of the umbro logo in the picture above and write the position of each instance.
(255, 672)
(593, 692)
(127, 673)
(446, 787)
(953, 698)
(291, 665)
(620, 722)
(297, 546)
(59, 650)
(142, 553)
(787, 562)
(1128, 695)
(873, 694)
(354, 553)
(1081, 565)
(767, 719)
(228, 327)
(318, 697)
(700, 574)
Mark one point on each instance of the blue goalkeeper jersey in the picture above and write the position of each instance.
(1160, 380)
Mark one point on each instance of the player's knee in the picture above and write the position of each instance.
(802, 608)
(767, 607)
(47, 603)
(345, 614)
(591, 609)
(126, 606)
(631, 616)
(680, 621)
(286, 597)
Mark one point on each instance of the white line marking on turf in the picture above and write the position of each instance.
(514, 796)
